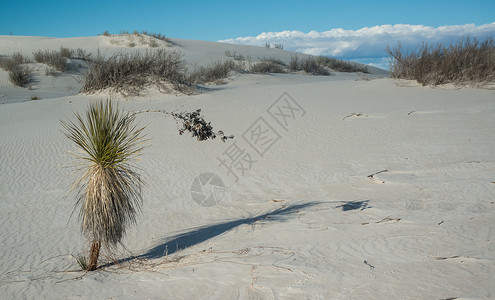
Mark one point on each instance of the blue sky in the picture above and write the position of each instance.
(224, 20)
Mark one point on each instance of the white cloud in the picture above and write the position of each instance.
(367, 42)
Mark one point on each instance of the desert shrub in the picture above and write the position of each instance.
(274, 60)
(66, 52)
(153, 43)
(19, 59)
(234, 55)
(60, 59)
(319, 65)
(50, 71)
(82, 54)
(266, 67)
(20, 75)
(106, 33)
(158, 36)
(468, 61)
(341, 65)
(294, 64)
(55, 59)
(10, 63)
(312, 66)
(213, 73)
(128, 74)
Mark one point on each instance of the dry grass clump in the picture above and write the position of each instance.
(129, 74)
(310, 65)
(60, 59)
(266, 66)
(19, 75)
(51, 58)
(465, 62)
(215, 72)
(341, 65)
(319, 65)
(158, 36)
(109, 191)
(275, 61)
(9, 63)
(234, 55)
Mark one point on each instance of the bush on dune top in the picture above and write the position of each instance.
(468, 61)
(129, 74)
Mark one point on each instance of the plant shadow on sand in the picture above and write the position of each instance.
(204, 233)
(201, 234)
(354, 205)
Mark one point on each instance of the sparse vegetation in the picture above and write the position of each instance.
(266, 66)
(294, 64)
(279, 46)
(129, 74)
(158, 36)
(234, 55)
(109, 191)
(20, 75)
(341, 65)
(310, 65)
(137, 38)
(57, 59)
(468, 61)
(10, 63)
(82, 262)
(274, 60)
(81, 54)
(213, 73)
(320, 65)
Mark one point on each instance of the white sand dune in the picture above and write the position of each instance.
(366, 189)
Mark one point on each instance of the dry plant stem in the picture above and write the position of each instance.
(93, 255)
(192, 122)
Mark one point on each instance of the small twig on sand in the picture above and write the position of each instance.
(387, 219)
(354, 115)
(371, 176)
(368, 264)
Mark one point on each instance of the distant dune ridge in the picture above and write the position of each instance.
(349, 185)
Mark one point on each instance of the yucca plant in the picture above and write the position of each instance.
(109, 190)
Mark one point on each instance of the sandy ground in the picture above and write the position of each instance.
(334, 187)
